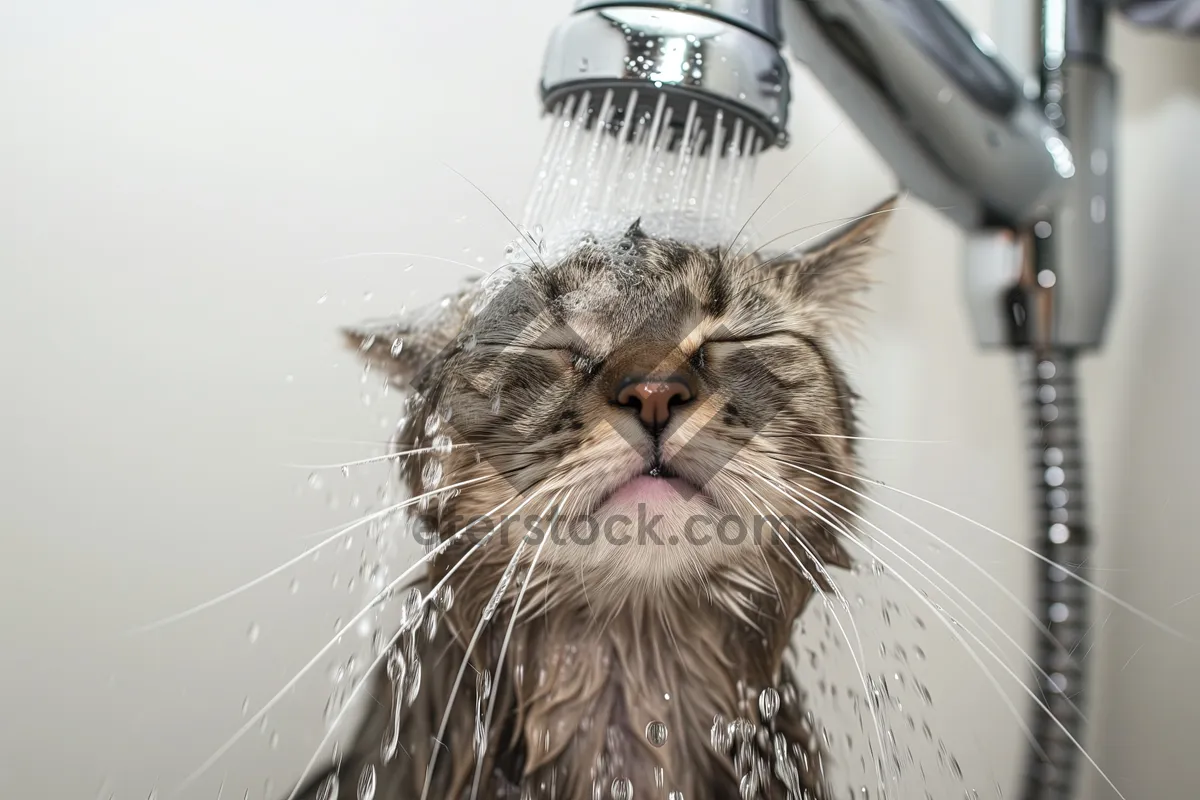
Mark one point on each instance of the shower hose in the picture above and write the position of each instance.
(1056, 459)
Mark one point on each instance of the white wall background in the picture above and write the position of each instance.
(174, 180)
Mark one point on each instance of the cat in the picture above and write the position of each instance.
(618, 454)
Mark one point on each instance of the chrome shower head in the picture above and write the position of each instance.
(700, 58)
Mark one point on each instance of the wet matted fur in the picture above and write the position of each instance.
(512, 400)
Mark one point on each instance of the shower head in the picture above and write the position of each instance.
(931, 95)
(700, 59)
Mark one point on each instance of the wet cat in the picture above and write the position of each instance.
(617, 457)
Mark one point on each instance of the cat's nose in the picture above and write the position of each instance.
(653, 399)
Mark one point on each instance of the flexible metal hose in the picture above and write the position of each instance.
(1063, 538)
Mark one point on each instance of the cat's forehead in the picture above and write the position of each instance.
(655, 289)
(659, 277)
(605, 296)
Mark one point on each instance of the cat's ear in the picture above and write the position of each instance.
(635, 231)
(828, 276)
(387, 345)
(403, 346)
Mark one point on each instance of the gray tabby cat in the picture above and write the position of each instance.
(646, 384)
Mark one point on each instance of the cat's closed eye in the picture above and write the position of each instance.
(751, 337)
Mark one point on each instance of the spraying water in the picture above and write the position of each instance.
(605, 165)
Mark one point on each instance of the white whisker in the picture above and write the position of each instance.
(787, 206)
(501, 587)
(1021, 683)
(1038, 624)
(1028, 550)
(816, 510)
(440, 737)
(1096, 638)
(399, 254)
(349, 702)
(216, 756)
(1132, 657)
(504, 650)
(879, 760)
(319, 440)
(1087, 633)
(1186, 599)
(775, 189)
(521, 232)
(875, 439)
(343, 531)
(376, 459)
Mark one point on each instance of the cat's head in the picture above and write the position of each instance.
(635, 381)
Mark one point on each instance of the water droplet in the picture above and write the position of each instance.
(432, 423)
(493, 603)
(483, 684)
(274, 740)
(411, 614)
(329, 789)
(314, 481)
(366, 783)
(245, 706)
(720, 735)
(414, 685)
(768, 703)
(442, 445)
(321, 300)
(431, 475)
(397, 347)
(622, 789)
(253, 632)
(675, 795)
(336, 673)
(583, 65)
(656, 733)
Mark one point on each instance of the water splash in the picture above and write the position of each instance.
(329, 789)
(656, 733)
(607, 164)
(366, 783)
(768, 703)
(906, 752)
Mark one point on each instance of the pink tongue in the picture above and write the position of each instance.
(647, 489)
